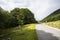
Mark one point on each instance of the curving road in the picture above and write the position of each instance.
(45, 32)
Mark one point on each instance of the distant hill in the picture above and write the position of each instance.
(52, 17)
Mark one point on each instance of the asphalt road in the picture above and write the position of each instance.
(45, 32)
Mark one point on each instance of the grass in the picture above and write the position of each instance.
(27, 32)
(55, 24)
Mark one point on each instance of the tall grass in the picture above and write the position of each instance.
(54, 24)
(27, 32)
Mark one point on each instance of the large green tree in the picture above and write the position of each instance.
(18, 16)
(23, 16)
(29, 16)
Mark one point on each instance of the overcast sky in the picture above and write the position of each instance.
(40, 8)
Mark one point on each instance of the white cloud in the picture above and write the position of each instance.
(10, 4)
(40, 8)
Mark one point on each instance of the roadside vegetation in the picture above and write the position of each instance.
(18, 24)
(55, 24)
(27, 32)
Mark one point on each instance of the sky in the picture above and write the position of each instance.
(40, 8)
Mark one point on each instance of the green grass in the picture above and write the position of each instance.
(27, 32)
(55, 24)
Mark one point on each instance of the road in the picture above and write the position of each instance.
(45, 32)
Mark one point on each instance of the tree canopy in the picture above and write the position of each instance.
(17, 16)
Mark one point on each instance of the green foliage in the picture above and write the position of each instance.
(23, 16)
(16, 17)
(6, 19)
(28, 33)
(52, 17)
(3, 18)
(28, 16)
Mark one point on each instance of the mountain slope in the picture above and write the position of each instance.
(52, 17)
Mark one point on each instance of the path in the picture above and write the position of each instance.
(45, 32)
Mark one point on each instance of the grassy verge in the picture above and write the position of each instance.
(54, 24)
(27, 32)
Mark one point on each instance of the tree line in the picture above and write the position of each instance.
(17, 16)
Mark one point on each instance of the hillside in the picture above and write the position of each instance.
(52, 17)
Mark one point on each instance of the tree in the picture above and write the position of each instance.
(29, 16)
(6, 19)
(23, 16)
(17, 15)
(3, 18)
